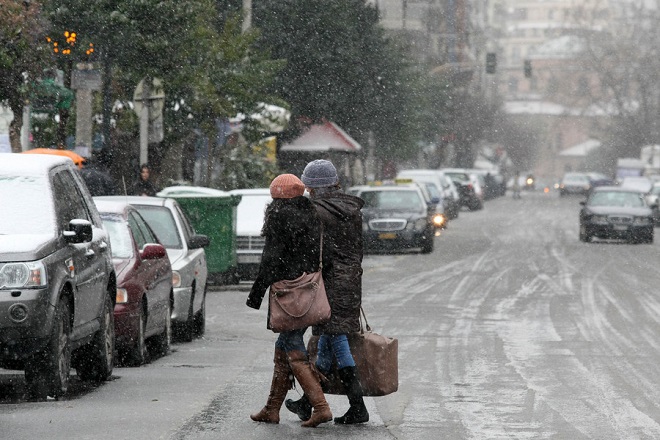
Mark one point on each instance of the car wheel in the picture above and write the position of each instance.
(584, 237)
(163, 341)
(96, 359)
(427, 246)
(137, 354)
(47, 372)
(187, 329)
(200, 318)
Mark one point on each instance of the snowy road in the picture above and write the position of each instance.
(510, 329)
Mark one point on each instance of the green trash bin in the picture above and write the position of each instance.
(213, 213)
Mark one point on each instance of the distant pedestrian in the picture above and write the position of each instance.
(516, 186)
(143, 185)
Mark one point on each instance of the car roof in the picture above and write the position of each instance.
(120, 207)
(251, 191)
(31, 164)
(615, 189)
(191, 191)
(138, 200)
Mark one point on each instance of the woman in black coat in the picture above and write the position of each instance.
(341, 217)
(292, 229)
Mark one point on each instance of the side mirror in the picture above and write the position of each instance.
(583, 202)
(435, 200)
(198, 241)
(153, 251)
(80, 231)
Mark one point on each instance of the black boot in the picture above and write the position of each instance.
(357, 413)
(302, 408)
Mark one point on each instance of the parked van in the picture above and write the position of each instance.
(447, 199)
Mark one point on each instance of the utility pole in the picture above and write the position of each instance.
(247, 15)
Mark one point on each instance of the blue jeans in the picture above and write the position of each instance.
(290, 341)
(337, 346)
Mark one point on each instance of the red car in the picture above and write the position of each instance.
(144, 284)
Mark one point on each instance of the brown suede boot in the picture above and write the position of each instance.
(278, 388)
(309, 381)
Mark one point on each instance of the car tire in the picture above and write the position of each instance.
(96, 359)
(47, 372)
(427, 246)
(187, 329)
(163, 341)
(200, 318)
(137, 354)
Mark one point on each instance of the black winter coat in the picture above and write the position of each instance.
(292, 229)
(342, 259)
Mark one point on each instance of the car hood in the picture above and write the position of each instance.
(370, 214)
(121, 265)
(175, 255)
(609, 210)
(26, 247)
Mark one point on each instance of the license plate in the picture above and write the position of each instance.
(620, 227)
(387, 236)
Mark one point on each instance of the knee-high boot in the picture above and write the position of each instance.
(357, 413)
(279, 386)
(309, 381)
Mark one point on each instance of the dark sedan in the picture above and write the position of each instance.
(144, 283)
(612, 212)
(396, 217)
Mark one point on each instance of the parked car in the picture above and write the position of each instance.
(617, 213)
(574, 183)
(653, 200)
(396, 217)
(249, 221)
(143, 308)
(599, 179)
(442, 190)
(462, 180)
(641, 184)
(57, 280)
(185, 249)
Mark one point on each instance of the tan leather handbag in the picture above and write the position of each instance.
(376, 358)
(299, 303)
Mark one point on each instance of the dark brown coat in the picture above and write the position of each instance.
(342, 258)
(293, 235)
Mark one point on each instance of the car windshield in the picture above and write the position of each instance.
(398, 200)
(616, 198)
(161, 220)
(575, 178)
(30, 205)
(120, 237)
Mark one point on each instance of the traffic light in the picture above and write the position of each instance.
(491, 62)
(528, 68)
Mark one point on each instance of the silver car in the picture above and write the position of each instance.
(185, 249)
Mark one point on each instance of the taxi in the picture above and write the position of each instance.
(398, 215)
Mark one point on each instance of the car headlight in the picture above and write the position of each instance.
(23, 275)
(365, 226)
(439, 220)
(641, 221)
(176, 279)
(122, 296)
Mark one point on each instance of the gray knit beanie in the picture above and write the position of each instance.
(319, 173)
